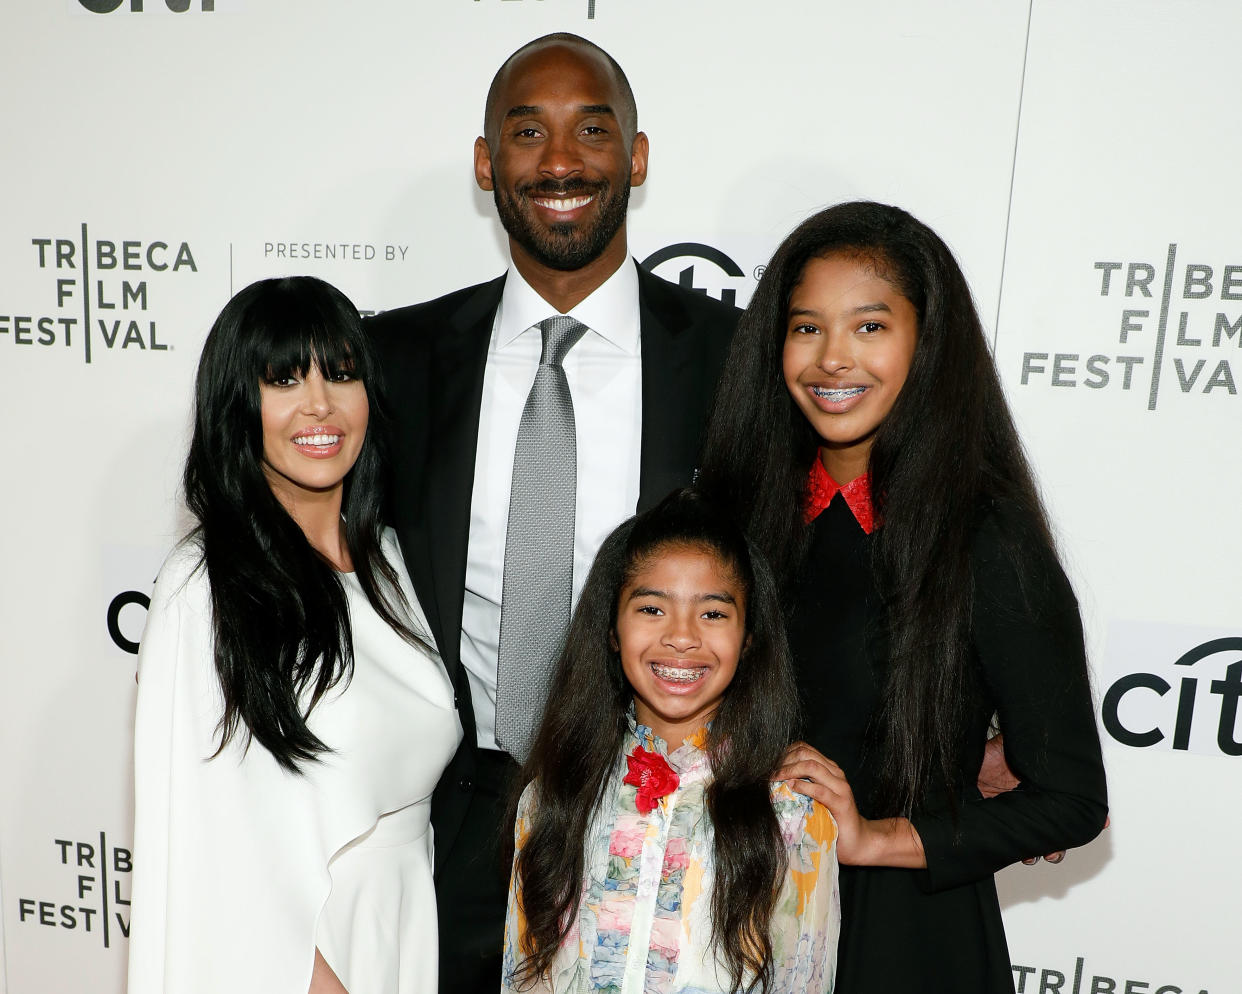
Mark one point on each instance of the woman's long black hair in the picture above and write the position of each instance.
(946, 453)
(279, 613)
(578, 745)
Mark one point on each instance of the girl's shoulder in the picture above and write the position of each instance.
(529, 798)
(1011, 523)
(1013, 549)
(800, 817)
(785, 798)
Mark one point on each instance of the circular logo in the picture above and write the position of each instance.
(697, 267)
(119, 603)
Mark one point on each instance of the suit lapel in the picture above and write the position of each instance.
(671, 419)
(457, 359)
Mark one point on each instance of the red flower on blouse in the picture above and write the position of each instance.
(651, 774)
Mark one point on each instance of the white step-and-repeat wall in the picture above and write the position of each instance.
(1080, 157)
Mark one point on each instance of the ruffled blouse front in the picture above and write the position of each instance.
(644, 921)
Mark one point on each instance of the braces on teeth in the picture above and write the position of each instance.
(677, 674)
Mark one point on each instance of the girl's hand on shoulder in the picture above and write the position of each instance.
(810, 772)
(860, 841)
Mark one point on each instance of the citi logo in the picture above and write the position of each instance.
(140, 6)
(1189, 706)
(125, 635)
(689, 263)
(590, 8)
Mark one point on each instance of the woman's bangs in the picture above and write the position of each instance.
(292, 352)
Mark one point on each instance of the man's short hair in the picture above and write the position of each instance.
(627, 113)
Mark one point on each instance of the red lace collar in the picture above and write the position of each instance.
(821, 488)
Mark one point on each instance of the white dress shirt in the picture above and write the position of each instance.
(604, 370)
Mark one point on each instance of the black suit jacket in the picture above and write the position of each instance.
(432, 358)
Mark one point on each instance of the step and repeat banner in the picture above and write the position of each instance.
(1120, 342)
(1080, 158)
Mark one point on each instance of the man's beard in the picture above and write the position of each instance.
(567, 246)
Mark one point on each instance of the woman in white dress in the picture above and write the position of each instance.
(293, 718)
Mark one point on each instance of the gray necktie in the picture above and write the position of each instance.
(539, 543)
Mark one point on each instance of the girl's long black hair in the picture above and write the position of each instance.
(279, 613)
(578, 745)
(944, 456)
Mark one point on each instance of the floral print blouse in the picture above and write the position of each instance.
(644, 922)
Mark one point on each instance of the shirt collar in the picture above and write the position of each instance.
(685, 757)
(611, 310)
(821, 488)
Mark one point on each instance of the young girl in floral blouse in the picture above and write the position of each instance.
(653, 852)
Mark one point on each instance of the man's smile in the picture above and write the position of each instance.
(562, 204)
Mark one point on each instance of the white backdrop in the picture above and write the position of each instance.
(160, 154)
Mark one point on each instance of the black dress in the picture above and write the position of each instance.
(939, 929)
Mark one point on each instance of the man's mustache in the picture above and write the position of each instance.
(562, 188)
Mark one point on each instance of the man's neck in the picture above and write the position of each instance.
(566, 289)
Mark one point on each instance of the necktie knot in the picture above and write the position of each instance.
(560, 334)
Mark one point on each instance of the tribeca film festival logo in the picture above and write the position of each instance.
(1036, 980)
(95, 899)
(690, 263)
(101, 291)
(1188, 704)
(1178, 330)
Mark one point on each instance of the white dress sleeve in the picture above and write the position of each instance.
(229, 874)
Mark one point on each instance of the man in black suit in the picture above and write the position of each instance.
(560, 152)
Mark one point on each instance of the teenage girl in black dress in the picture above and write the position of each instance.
(862, 433)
